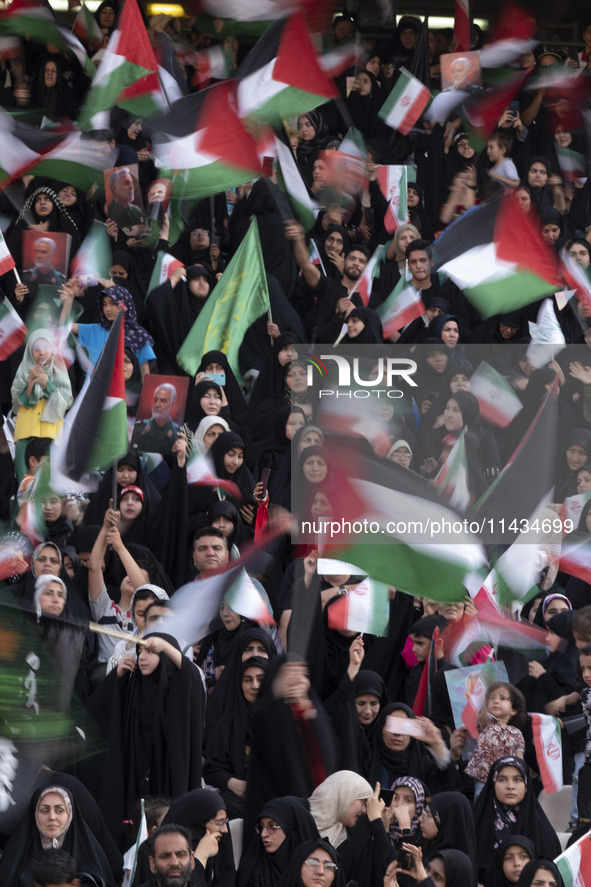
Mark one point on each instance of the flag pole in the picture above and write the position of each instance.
(16, 274)
(114, 633)
(270, 319)
(114, 486)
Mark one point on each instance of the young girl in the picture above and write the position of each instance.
(500, 721)
(41, 394)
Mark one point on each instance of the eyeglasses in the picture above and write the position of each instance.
(314, 863)
(220, 822)
(270, 827)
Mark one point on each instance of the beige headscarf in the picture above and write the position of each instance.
(56, 841)
(330, 801)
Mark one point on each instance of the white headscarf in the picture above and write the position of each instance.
(41, 583)
(202, 429)
(57, 840)
(330, 801)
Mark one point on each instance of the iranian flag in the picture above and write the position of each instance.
(365, 608)
(200, 471)
(281, 75)
(406, 103)
(497, 400)
(13, 332)
(127, 75)
(575, 863)
(571, 509)
(94, 258)
(462, 26)
(365, 282)
(575, 559)
(164, 268)
(6, 261)
(290, 180)
(573, 164)
(452, 479)
(245, 598)
(548, 744)
(403, 305)
(497, 257)
(475, 700)
(393, 182)
(203, 136)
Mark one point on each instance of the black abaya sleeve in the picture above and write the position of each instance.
(169, 532)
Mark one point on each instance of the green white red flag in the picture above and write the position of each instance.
(13, 332)
(371, 270)
(452, 479)
(575, 863)
(406, 103)
(365, 608)
(548, 745)
(244, 598)
(164, 268)
(403, 305)
(393, 182)
(498, 402)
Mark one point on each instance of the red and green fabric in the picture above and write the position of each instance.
(406, 103)
(203, 138)
(575, 863)
(13, 332)
(245, 598)
(127, 75)
(548, 745)
(76, 161)
(281, 75)
(365, 608)
(403, 305)
(86, 28)
(497, 400)
(164, 268)
(36, 20)
(496, 256)
(452, 479)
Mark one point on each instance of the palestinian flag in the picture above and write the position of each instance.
(164, 268)
(94, 258)
(573, 164)
(235, 18)
(403, 305)
(94, 433)
(406, 103)
(290, 180)
(76, 161)
(393, 528)
(336, 61)
(281, 75)
(371, 270)
(15, 156)
(244, 598)
(525, 481)
(128, 73)
(452, 479)
(86, 29)
(462, 26)
(484, 109)
(203, 136)
(365, 608)
(393, 182)
(575, 863)
(497, 400)
(13, 332)
(548, 745)
(512, 37)
(36, 20)
(496, 255)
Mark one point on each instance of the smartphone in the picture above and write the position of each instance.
(386, 794)
(405, 860)
(265, 479)
(218, 378)
(513, 108)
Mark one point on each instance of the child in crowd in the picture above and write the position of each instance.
(503, 170)
(500, 721)
(584, 792)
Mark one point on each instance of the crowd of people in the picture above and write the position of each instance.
(288, 750)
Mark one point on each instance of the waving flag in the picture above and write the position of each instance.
(203, 137)
(406, 103)
(13, 332)
(393, 182)
(497, 400)
(245, 598)
(365, 282)
(548, 744)
(128, 73)
(403, 305)
(36, 20)
(575, 863)
(365, 608)
(281, 75)
(452, 479)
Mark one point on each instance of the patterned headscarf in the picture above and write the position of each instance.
(506, 817)
(41, 583)
(56, 841)
(418, 789)
(45, 189)
(135, 335)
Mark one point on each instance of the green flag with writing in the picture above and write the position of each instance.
(240, 298)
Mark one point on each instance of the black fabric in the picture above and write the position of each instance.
(25, 845)
(307, 152)
(458, 868)
(372, 334)
(258, 868)
(99, 501)
(529, 871)
(496, 876)
(232, 390)
(305, 851)
(256, 346)
(453, 816)
(154, 730)
(270, 380)
(530, 819)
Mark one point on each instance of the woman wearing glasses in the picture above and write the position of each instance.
(282, 826)
(315, 864)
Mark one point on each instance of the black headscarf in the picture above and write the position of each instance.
(330, 269)
(261, 869)
(232, 390)
(243, 479)
(493, 821)
(542, 198)
(270, 380)
(566, 480)
(458, 868)
(455, 828)
(195, 412)
(307, 152)
(373, 333)
(99, 502)
(305, 851)
(25, 845)
(152, 723)
(497, 876)
(529, 871)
